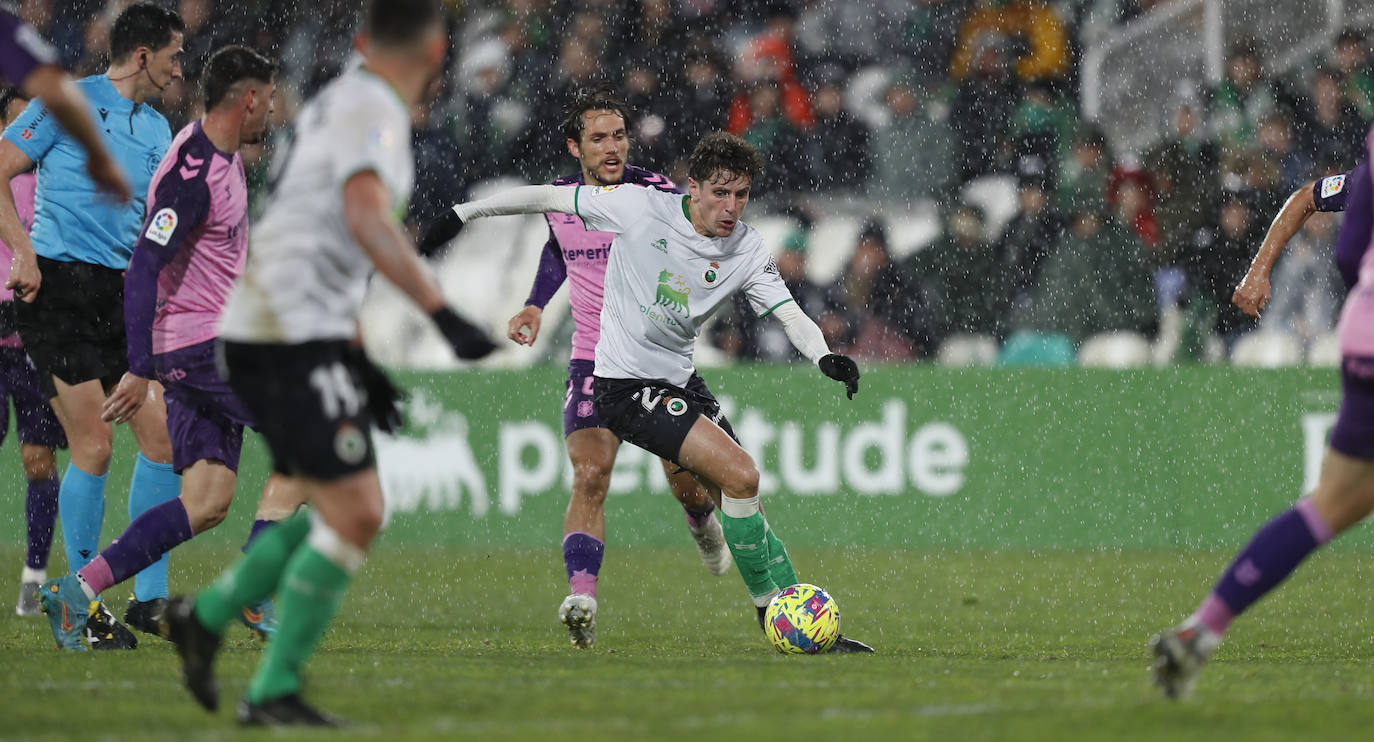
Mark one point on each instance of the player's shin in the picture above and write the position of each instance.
(779, 563)
(746, 532)
(81, 509)
(153, 484)
(144, 542)
(253, 577)
(315, 579)
(40, 515)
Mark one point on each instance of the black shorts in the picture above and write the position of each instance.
(655, 415)
(74, 329)
(309, 404)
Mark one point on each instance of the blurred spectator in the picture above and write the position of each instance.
(784, 149)
(1041, 125)
(842, 143)
(438, 182)
(924, 37)
(1307, 287)
(768, 60)
(1083, 179)
(967, 276)
(1275, 140)
(484, 117)
(1184, 168)
(1098, 280)
(1331, 129)
(848, 33)
(1243, 98)
(539, 151)
(1352, 63)
(1131, 198)
(1217, 259)
(1032, 234)
(742, 334)
(914, 150)
(698, 107)
(982, 108)
(887, 314)
(650, 112)
(1039, 43)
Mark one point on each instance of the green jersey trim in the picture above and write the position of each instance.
(775, 306)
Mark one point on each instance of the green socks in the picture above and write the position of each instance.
(254, 577)
(306, 602)
(747, 538)
(779, 564)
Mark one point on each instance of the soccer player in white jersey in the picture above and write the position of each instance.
(286, 337)
(675, 260)
(597, 134)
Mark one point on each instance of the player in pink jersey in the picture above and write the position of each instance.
(1344, 494)
(40, 434)
(596, 132)
(193, 247)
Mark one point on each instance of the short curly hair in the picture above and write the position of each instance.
(722, 152)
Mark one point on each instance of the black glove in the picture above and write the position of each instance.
(841, 368)
(383, 398)
(468, 340)
(439, 233)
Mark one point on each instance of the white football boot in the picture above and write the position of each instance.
(711, 546)
(578, 613)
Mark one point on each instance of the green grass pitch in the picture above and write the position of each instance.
(463, 644)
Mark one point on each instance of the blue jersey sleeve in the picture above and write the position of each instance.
(180, 204)
(35, 131)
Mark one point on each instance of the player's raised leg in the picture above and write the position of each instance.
(699, 506)
(1343, 497)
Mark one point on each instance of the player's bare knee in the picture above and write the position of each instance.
(591, 480)
(40, 462)
(205, 511)
(743, 481)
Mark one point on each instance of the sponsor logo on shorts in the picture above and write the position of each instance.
(1333, 185)
(350, 445)
(161, 226)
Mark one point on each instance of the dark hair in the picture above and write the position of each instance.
(143, 24)
(591, 100)
(724, 152)
(8, 96)
(392, 23)
(228, 67)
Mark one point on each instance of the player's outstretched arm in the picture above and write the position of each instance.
(537, 199)
(24, 276)
(367, 209)
(1253, 292)
(806, 336)
(61, 96)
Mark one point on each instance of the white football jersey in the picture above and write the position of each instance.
(306, 276)
(664, 280)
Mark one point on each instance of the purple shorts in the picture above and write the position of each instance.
(204, 418)
(578, 411)
(34, 420)
(1354, 431)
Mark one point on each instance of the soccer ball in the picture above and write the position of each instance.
(802, 619)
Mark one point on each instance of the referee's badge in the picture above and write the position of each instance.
(712, 275)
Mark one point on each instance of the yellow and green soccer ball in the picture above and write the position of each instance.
(802, 619)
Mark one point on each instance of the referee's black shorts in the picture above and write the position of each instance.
(74, 329)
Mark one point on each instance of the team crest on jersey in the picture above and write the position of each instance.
(1333, 185)
(712, 275)
(660, 245)
(161, 226)
(673, 293)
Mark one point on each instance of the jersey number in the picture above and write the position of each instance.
(337, 393)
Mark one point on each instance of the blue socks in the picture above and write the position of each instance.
(81, 506)
(151, 485)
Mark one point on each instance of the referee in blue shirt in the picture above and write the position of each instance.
(69, 275)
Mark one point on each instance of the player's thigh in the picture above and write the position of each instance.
(78, 409)
(684, 484)
(592, 454)
(714, 455)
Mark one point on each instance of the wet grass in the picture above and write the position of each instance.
(461, 644)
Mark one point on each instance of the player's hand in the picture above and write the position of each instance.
(1252, 294)
(469, 342)
(439, 233)
(25, 277)
(841, 368)
(526, 319)
(383, 397)
(108, 177)
(126, 399)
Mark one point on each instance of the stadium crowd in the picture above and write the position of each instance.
(886, 105)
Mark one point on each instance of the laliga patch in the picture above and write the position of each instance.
(161, 226)
(1333, 185)
(605, 189)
